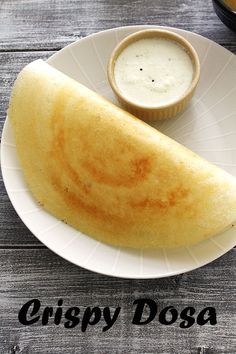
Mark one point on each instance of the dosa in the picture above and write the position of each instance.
(108, 174)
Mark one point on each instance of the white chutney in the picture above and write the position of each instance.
(153, 72)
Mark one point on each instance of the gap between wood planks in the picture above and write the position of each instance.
(22, 247)
(15, 50)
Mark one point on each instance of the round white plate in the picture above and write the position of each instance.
(208, 127)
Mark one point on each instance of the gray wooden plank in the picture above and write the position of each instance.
(29, 24)
(28, 274)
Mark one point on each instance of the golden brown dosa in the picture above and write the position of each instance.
(107, 173)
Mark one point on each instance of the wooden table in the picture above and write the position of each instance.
(31, 29)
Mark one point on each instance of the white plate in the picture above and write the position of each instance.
(208, 127)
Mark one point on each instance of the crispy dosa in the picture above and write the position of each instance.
(107, 173)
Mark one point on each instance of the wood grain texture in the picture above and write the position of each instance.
(28, 274)
(31, 29)
(29, 24)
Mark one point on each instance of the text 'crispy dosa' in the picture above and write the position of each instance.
(108, 174)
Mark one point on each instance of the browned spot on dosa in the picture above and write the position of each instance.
(173, 198)
(76, 203)
(136, 172)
